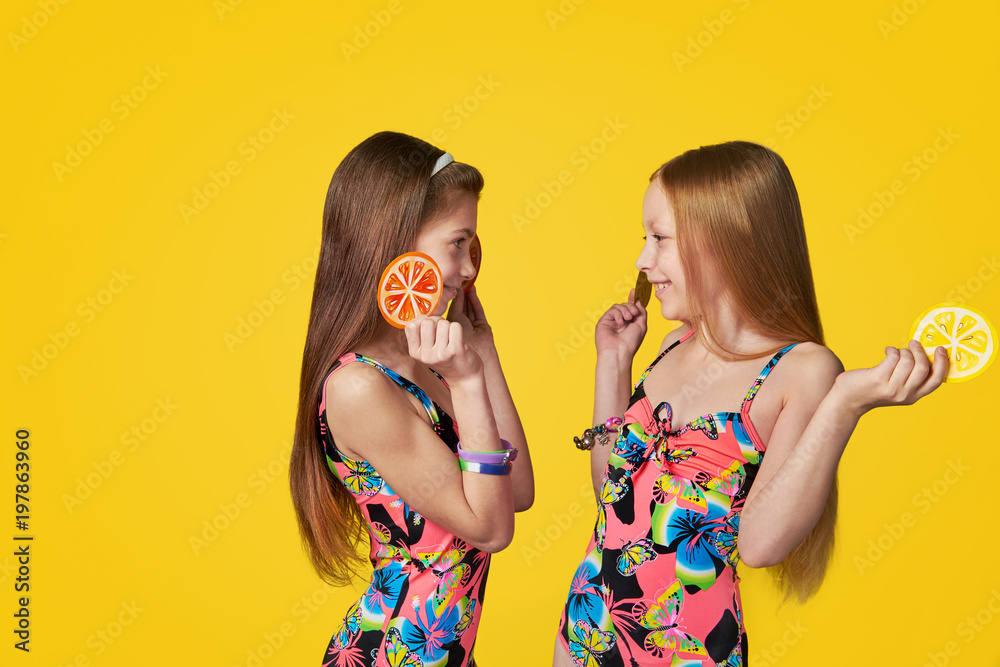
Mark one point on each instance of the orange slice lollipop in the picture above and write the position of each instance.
(476, 253)
(410, 286)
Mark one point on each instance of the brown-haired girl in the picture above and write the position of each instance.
(376, 450)
(685, 490)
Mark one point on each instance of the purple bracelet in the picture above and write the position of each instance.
(502, 457)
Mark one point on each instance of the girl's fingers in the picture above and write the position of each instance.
(904, 366)
(885, 367)
(477, 305)
(624, 311)
(442, 330)
(939, 370)
(427, 329)
(921, 368)
(454, 335)
(457, 306)
(412, 330)
(470, 310)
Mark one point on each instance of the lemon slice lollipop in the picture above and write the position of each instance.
(964, 332)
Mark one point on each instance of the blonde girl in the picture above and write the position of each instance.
(726, 449)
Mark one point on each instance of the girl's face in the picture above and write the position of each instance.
(659, 259)
(446, 239)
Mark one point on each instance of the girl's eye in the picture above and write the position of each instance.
(457, 243)
(656, 237)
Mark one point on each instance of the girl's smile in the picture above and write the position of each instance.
(659, 287)
(659, 257)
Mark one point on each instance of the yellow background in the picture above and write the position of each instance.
(559, 74)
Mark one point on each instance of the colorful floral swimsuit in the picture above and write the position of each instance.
(424, 601)
(659, 584)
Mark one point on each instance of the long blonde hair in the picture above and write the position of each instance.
(379, 198)
(738, 217)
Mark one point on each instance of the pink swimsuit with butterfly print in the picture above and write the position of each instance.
(423, 604)
(659, 584)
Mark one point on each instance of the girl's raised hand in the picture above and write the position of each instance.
(902, 378)
(467, 310)
(440, 344)
(621, 329)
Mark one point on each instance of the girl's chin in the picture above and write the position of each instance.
(442, 308)
(672, 312)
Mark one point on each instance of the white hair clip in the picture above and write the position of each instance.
(442, 162)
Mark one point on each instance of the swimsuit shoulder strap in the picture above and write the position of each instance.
(351, 357)
(763, 376)
(663, 354)
(748, 400)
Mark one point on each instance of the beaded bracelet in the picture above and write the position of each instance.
(599, 432)
(484, 468)
(496, 457)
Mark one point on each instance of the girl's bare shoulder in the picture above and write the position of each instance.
(809, 365)
(359, 388)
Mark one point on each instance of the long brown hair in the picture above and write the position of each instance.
(738, 217)
(379, 198)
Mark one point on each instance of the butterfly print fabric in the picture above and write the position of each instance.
(423, 604)
(659, 583)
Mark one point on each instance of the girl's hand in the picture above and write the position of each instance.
(902, 378)
(621, 329)
(467, 310)
(440, 344)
